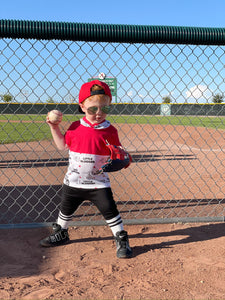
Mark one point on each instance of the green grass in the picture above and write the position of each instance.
(196, 121)
(37, 129)
(22, 132)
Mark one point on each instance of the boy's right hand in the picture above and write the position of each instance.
(51, 124)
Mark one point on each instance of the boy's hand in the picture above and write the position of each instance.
(54, 117)
(53, 120)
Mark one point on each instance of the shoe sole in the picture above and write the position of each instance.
(43, 244)
(124, 255)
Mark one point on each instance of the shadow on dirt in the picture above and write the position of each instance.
(21, 255)
(191, 235)
(59, 162)
(155, 157)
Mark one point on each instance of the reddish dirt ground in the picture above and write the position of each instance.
(170, 261)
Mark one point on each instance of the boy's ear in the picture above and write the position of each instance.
(82, 108)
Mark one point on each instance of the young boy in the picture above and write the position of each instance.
(86, 140)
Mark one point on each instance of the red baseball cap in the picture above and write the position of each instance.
(85, 90)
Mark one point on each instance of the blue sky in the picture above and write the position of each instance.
(195, 13)
(203, 13)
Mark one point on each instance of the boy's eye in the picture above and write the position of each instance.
(93, 109)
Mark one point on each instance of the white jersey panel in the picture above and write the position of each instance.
(83, 171)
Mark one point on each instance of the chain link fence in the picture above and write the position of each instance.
(166, 108)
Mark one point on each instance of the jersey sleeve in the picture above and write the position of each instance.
(67, 135)
(113, 138)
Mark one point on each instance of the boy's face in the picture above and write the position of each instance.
(96, 108)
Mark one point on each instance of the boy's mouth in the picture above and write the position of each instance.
(98, 119)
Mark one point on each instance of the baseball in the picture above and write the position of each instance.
(55, 116)
(101, 76)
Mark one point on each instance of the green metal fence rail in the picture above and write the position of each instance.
(111, 33)
(177, 173)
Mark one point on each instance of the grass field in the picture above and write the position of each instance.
(23, 128)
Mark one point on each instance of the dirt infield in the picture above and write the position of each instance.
(174, 261)
(178, 172)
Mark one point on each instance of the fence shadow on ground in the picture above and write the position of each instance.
(59, 162)
(155, 157)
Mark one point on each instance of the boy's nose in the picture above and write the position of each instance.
(99, 111)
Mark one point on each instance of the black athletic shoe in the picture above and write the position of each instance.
(122, 245)
(58, 237)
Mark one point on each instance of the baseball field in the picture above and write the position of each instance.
(177, 171)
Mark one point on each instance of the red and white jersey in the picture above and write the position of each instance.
(88, 152)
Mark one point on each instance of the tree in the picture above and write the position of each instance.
(7, 98)
(166, 99)
(50, 100)
(217, 98)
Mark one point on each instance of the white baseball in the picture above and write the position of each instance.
(101, 76)
(55, 116)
